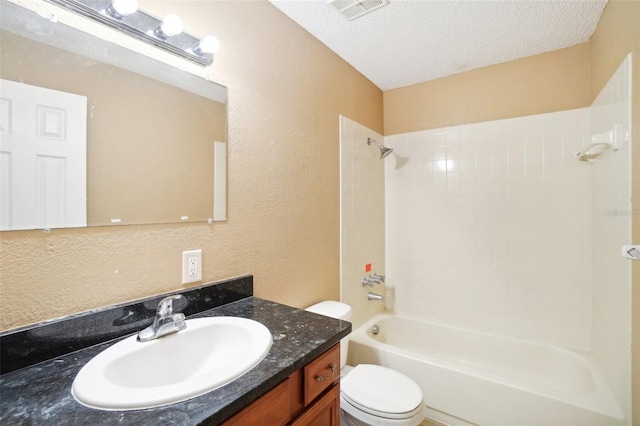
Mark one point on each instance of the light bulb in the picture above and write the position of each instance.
(171, 26)
(209, 44)
(121, 8)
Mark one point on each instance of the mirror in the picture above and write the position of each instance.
(153, 132)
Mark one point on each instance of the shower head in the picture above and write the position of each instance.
(384, 151)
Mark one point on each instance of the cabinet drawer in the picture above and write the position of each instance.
(321, 373)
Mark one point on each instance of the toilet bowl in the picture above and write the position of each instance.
(372, 395)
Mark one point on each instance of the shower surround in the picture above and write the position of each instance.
(496, 226)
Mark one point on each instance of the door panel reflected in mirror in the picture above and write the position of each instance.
(43, 148)
(150, 146)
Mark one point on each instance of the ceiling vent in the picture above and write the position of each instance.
(352, 9)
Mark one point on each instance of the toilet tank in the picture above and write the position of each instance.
(339, 310)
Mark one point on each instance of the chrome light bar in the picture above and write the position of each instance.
(142, 26)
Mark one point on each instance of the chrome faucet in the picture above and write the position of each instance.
(165, 322)
(372, 279)
(374, 296)
(367, 281)
(377, 278)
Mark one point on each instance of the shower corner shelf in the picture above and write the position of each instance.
(594, 151)
(603, 142)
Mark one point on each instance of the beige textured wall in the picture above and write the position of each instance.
(286, 90)
(512, 89)
(617, 34)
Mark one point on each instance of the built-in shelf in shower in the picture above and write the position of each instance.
(603, 142)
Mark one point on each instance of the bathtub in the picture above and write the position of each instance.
(475, 377)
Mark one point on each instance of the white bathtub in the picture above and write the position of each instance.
(488, 379)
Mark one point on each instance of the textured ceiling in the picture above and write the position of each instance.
(410, 41)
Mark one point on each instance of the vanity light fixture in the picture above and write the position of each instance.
(171, 26)
(209, 44)
(121, 8)
(166, 34)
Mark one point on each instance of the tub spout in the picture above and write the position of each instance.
(374, 296)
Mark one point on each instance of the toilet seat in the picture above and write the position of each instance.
(381, 392)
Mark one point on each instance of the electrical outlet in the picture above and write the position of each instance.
(191, 266)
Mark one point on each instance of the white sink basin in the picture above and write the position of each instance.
(208, 354)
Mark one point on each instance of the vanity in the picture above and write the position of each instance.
(297, 382)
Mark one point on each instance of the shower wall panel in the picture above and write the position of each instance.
(612, 214)
(488, 226)
(362, 221)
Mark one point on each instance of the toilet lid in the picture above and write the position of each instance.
(331, 308)
(381, 391)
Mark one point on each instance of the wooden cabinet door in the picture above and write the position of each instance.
(271, 409)
(324, 412)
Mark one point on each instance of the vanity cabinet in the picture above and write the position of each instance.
(308, 397)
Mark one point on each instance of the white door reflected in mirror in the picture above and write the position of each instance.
(43, 152)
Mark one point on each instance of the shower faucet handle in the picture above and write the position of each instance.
(367, 281)
(377, 278)
(372, 279)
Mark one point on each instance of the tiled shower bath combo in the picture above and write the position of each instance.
(510, 300)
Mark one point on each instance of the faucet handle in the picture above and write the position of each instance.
(377, 278)
(367, 281)
(373, 279)
(165, 307)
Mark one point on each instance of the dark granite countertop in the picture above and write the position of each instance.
(41, 393)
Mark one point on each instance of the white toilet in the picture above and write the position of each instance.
(372, 395)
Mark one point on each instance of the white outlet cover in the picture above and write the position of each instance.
(191, 266)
